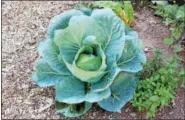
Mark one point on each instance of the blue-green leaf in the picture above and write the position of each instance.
(97, 96)
(122, 90)
(133, 57)
(44, 75)
(113, 31)
(49, 51)
(73, 110)
(72, 90)
(106, 80)
(86, 11)
(61, 21)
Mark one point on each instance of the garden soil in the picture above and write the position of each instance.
(23, 25)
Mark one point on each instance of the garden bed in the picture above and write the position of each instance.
(25, 23)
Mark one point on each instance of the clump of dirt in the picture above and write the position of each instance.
(23, 25)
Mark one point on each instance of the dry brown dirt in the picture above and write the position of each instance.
(25, 23)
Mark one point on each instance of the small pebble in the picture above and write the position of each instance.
(133, 114)
(91, 117)
(32, 42)
(49, 100)
(171, 113)
(173, 102)
(146, 49)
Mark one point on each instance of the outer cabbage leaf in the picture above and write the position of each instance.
(86, 11)
(133, 57)
(106, 80)
(113, 32)
(44, 75)
(49, 51)
(72, 90)
(97, 96)
(122, 90)
(73, 110)
(61, 21)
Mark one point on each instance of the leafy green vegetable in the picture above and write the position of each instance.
(173, 16)
(157, 84)
(89, 56)
(152, 65)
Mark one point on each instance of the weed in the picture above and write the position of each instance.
(157, 85)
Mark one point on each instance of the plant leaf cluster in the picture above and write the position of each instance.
(173, 16)
(158, 82)
(89, 56)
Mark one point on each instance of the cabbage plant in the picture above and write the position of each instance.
(89, 56)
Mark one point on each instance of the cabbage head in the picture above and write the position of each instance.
(89, 56)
